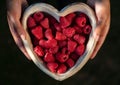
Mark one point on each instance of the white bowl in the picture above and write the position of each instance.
(75, 7)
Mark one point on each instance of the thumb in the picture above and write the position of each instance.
(17, 31)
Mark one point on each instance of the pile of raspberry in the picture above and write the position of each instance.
(59, 44)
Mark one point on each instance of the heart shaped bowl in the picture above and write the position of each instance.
(75, 7)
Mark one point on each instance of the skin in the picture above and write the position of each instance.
(14, 10)
(102, 10)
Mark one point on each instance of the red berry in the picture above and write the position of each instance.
(38, 16)
(79, 38)
(59, 44)
(39, 51)
(45, 23)
(70, 62)
(74, 56)
(52, 43)
(78, 29)
(57, 26)
(70, 17)
(37, 32)
(43, 43)
(48, 44)
(52, 66)
(60, 36)
(54, 50)
(31, 22)
(64, 22)
(87, 29)
(62, 43)
(49, 57)
(48, 34)
(80, 49)
(61, 57)
(71, 45)
(64, 50)
(69, 32)
(61, 69)
(81, 21)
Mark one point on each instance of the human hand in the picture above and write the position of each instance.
(102, 10)
(14, 12)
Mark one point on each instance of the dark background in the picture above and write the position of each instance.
(15, 69)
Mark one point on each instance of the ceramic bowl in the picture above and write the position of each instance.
(75, 7)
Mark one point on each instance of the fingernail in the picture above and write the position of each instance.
(22, 37)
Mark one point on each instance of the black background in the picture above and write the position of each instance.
(104, 69)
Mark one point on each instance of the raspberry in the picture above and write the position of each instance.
(59, 44)
(78, 29)
(54, 50)
(45, 23)
(62, 43)
(61, 69)
(48, 44)
(81, 21)
(70, 62)
(87, 29)
(31, 22)
(64, 22)
(49, 57)
(79, 38)
(71, 45)
(52, 43)
(57, 26)
(37, 32)
(48, 34)
(69, 32)
(80, 49)
(61, 57)
(65, 51)
(38, 16)
(52, 66)
(39, 51)
(70, 17)
(74, 56)
(60, 36)
(43, 43)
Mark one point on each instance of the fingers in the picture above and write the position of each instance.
(16, 35)
(100, 34)
(14, 11)
(101, 38)
(102, 10)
